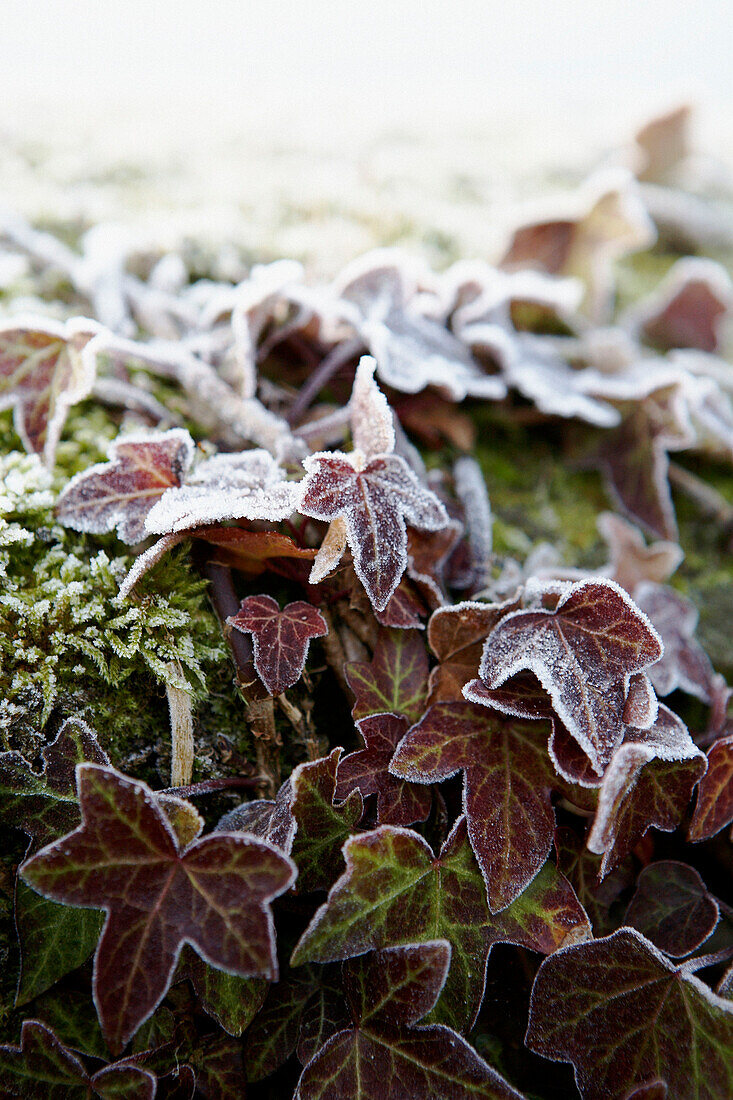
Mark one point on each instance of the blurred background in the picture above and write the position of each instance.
(319, 129)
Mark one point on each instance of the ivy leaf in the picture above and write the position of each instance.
(372, 423)
(281, 638)
(322, 824)
(583, 653)
(599, 897)
(673, 908)
(385, 1053)
(632, 561)
(273, 1036)
(45, 805)
(249, 485)
(649, 782)
(266, 818)
(684, 663)
(44, 1069)
(395, 680)
(398, 802)
(119, 493)
(688, 309)
(587, 1003)
(456, 636)
(252, 552)
(375, 501)
(45, 368)
(714, 807)
(230, 1000)
(125, 859)
(395, 891)
(508, 777)
(53, 940)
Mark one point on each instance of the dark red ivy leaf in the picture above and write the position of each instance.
(281, 638)
(673, 908)
(398, 802)
(395, 680)
(714, 807)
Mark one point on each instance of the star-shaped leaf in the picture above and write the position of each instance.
(395, 680)
(398, 802)
(456, 636)
(44, 1069)
(684, 665)
(375, 502)
(508, 776)
(673, 908)
(125, 859)
(632, 561)
(583, 653)
(649, 782)
(624, 1015)
(119, 493)
(45, 368)
(385, 1053)
(395, 891)
(281, 638)
(714, 806)
(322, 823)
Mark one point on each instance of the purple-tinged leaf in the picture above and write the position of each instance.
(44, 1069)
(372, 425)
(591, 1006)
(672, 908)
(281, 638)
(249, 485)
(385, 1054)
(273, 1036)
(322, 824)
(125, 859)
(326, 1014)
(375, 501)
(508, 777)
(714, 806)
(45, 368)
(429, 554)
(45, 805)
(367, 770)
(663, 143)
(545, 917)
(600, 899)
(649, 782)
(583, 653)
(689, 308)
(118, 494)
(684, 665)
(632, 561)
(395, 680)
(456, 636)
(268, 819)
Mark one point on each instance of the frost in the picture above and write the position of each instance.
(372, 427)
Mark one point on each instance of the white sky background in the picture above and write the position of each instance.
(308, 68)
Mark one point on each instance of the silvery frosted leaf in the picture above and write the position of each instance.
(584, 234)
(471, 490)
(688, 308)
(684, 665)
(249, 485)
(120, 493)
(45, 368)
(372, 427)
(662, 143)
(632, 561)
(376, 502)
(281, 638)
(476, 292)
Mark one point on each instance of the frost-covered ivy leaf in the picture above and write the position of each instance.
(508, 777)
(45, 805)
(684, 665)
(589, 1001)
(395, 891)
(714, 806)
(269, 819)
(600, 899)
(583, 653)
(429, 556)
(125, 859)
(395, 680)
(585, 236)
(249, 485)
(322, 823)
(230, 1000)
(45, 368)
(632, 561)
(672, 908)
(649, 782)
(688, 309)
(372, 425)
(44, 1069)
(385, 1054)
(376, 502)
(281, 638)
(456, 636)
(634, 458)
(53, 940)
(119, 493)
(273, 1035)
(663, 143)
(398, 802)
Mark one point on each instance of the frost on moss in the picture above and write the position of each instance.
(66, 639)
